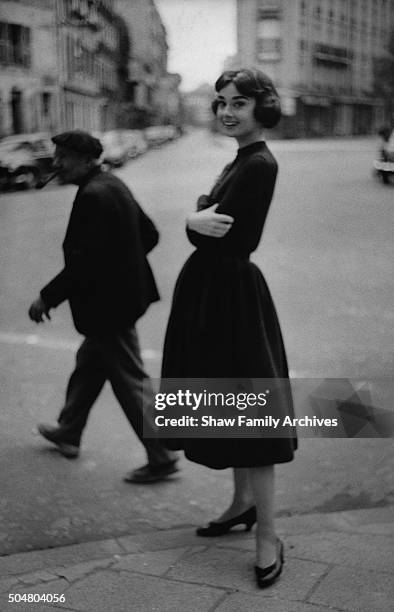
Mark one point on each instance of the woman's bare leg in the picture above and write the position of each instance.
(243, 498)
(262, 484)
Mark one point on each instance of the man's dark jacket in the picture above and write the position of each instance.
(106, 278)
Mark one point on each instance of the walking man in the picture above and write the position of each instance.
(109, 285)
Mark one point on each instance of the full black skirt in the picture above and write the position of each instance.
(223, 324)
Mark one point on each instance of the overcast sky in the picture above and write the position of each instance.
(201, 34)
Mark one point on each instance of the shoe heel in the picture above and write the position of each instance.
(248, 526)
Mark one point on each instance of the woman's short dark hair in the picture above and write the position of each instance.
(253, 84)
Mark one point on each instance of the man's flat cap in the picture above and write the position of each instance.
(80, 142)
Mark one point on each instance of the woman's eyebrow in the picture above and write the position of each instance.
(233, 97)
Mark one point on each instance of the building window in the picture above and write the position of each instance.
(45, 103)
(269, 42)
(331, 56)
(15, 47)
(303, 48)
(269, 48)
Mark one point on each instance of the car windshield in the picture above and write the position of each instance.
(27, 146)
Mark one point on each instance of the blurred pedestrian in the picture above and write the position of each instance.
(223, 322)
(109, 285)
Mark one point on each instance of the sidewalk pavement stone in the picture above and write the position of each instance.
(125, 592)
(35, 577)
(154, 563)
(159, 540)
(329, 565)
(356, 590)
(353, 521)
(379, 529)
(76, 572)
(22, 563)
(233, 569)
(7, 583)
(374, 552)
(30, 607)
(265, 602)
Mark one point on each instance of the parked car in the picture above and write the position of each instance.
(115, 151)
(384, 170)
(25, 160)
(384, 165)
(135, 142)
(158, 134)
(26, 137)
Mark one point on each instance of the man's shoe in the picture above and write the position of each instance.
(152, 473)
(53, 434)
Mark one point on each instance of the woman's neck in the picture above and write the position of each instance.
(244, 141)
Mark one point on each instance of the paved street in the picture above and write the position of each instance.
(327, 256)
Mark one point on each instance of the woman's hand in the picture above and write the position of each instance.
(210, 223)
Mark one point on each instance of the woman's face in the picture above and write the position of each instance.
(235, 115)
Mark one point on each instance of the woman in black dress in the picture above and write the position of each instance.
(223, 322)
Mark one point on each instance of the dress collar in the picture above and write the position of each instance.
(251, 148)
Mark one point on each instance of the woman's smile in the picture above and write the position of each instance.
(229, 124)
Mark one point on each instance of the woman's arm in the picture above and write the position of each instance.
(209, 223)
(205, 224)
(246, 202)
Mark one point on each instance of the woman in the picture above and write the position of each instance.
(223, 322)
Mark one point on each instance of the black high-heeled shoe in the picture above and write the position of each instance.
(265, 576)
(214, 528)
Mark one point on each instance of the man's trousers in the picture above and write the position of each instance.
(114, 357)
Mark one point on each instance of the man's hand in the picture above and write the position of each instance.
(210, 223)
(37, 311)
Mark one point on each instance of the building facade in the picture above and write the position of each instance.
(168, 100)
(198, 103)
(58, 65)
(152, 95)
(28, 89)
(321, 55)
(87, 40)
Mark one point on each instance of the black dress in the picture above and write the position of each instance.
(223, 322)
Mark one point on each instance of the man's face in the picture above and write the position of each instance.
(71, 166)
